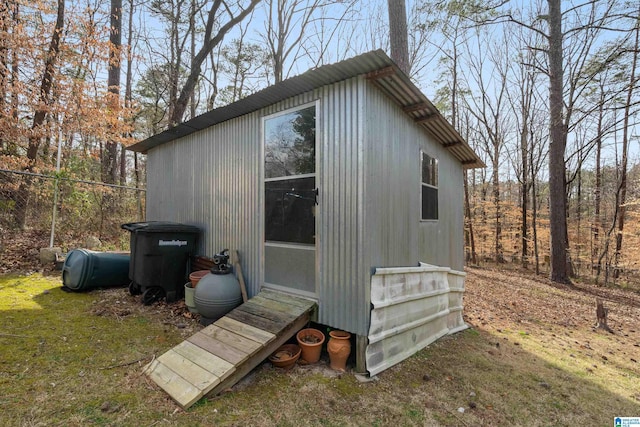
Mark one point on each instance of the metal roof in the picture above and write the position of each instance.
(377, 67)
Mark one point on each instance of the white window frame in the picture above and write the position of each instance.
(424, 184)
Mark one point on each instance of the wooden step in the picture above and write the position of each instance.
(220, 355)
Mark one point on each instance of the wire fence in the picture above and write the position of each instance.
(38, 210)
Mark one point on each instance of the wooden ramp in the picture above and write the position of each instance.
(221, 354)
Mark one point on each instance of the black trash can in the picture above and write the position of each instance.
(84, 270)
(160, 254)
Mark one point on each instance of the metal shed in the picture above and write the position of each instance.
(334, 185)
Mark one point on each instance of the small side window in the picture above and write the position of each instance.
(429, 187)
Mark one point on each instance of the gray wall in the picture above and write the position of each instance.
(395, 234)
(211, 179)
(369, 182)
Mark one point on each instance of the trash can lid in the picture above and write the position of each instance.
(160, 227)
(77, 267)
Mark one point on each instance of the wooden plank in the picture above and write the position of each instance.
(293, 310)
(234, 340)
(177, 387)
(223, 353)
(191, 372)
(261, 355)
(238, 267)
(381, 73)
(287, 299)
(212, 363)
(256, 321)
(415, 107)
(247, 331)
(255, 308)
(220, 349)
(201, 263)
(361, 353)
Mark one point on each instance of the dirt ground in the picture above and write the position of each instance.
(498, 300)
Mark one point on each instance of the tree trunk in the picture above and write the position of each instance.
(578, 213)
(499, 255)
(128, 87)
(597, 220)
(4, 68)
(23, 194)
(524, 186)
(15, 92)
(469, 237)
(192, 25)
(398, 36)
(557, 145)
(110, 154)
(601, 316)
(625, 152)
(534, 212)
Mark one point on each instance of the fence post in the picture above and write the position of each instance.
(55, 192)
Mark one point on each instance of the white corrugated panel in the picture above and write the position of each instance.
(411, 309)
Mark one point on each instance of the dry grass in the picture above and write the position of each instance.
(531, 358)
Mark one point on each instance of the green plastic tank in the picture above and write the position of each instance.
(85, 270)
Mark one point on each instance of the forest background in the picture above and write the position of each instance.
(546, 92)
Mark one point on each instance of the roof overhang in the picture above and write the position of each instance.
(376, 66)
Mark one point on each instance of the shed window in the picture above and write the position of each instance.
(429, 187)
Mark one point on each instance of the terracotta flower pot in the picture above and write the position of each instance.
(310, 341)
(196, 276)
(339, 348)
(285, 356)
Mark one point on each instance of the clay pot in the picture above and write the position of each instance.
(310, 341)
(339, 348)
(285, 356)
(196, 276)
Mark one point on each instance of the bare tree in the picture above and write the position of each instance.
(523, 99)
(332, 33)
(567, 49)
(242, 62)
(23, 195)
(219, 12)
(625, 144)
(487, 107)
(286, 26)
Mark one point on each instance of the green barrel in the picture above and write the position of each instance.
(85, 270)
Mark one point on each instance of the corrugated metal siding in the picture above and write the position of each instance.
(396, 236)
(344, 274)
(368, 177)
(213, 179)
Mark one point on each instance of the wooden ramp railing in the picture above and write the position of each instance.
(221, 354)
